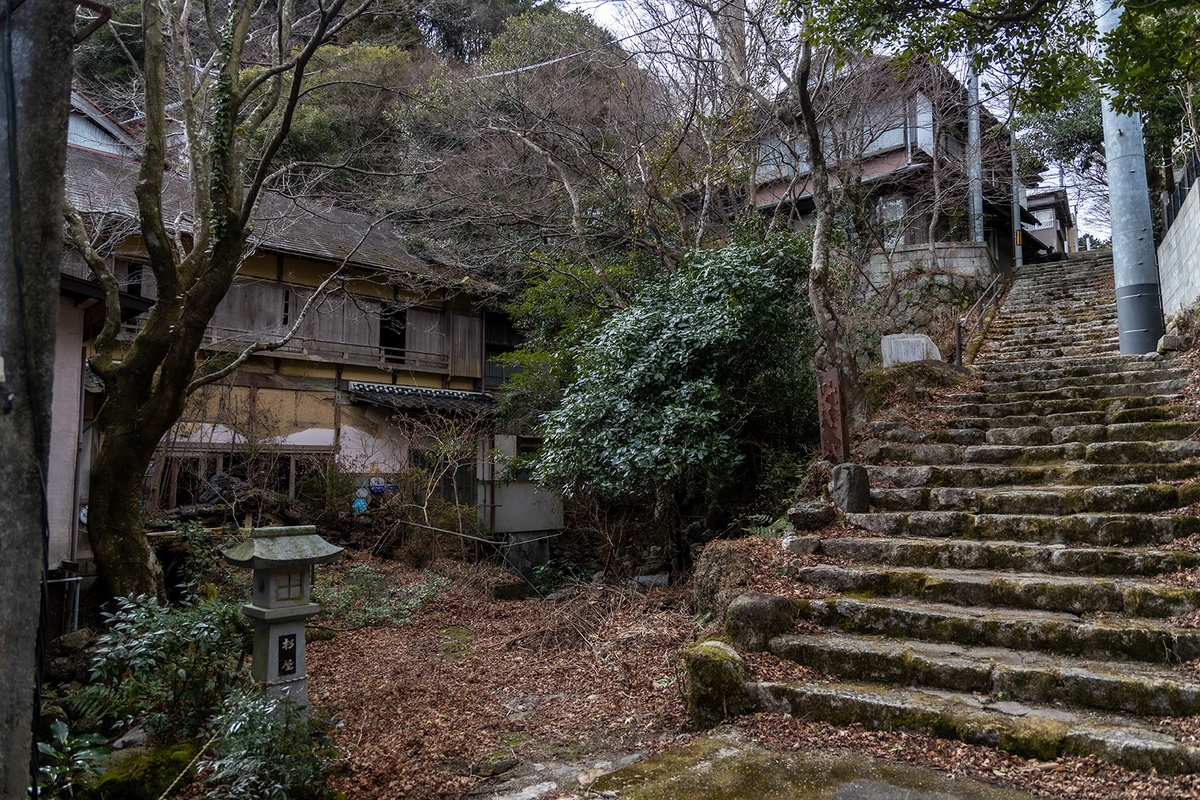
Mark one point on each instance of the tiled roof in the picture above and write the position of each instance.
(103, 184)
(409, 398)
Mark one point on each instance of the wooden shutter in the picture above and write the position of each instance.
(426, 342)
(465, 357)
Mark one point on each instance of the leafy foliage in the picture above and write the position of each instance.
(171, 666)
(267, 749)
(679, 390)
(360, 596)
(67, 759)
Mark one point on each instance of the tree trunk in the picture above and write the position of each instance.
(43, 37)
(837, 350)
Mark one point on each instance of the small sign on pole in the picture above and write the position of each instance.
(831, 412)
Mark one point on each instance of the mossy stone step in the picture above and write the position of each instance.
(1156, 431)
(1009, 555)
(1110, 405)
(1032, 732)
(1105, 530)
(1141, 452)
(1024, 384)
(1076, 366)
(1045, 592)
(1094, 391)
(988, 475)
(1056, 500)
(979, 454)
(1058, 632)
(1144, 689)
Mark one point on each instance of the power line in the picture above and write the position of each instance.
(579, 53)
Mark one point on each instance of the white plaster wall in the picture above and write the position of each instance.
(64, 430)
(521, 506)
(1179, 257)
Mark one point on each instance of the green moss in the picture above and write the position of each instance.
(882, 385)
(146, 776)
(716, 683)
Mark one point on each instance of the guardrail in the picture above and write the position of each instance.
(1191, 171)
(990, 297)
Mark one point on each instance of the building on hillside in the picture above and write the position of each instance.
(898, 142)
(1055, 227)
(397, 356)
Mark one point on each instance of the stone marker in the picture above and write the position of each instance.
(901, 348)
(283, 561)
(850, 488)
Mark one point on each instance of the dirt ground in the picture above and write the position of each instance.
(478, 697)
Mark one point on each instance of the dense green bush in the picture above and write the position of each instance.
(685, 389)
(265, 748)
(170, 667)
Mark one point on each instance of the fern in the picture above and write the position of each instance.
(95, 700)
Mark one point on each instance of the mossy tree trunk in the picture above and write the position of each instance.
(43, 39)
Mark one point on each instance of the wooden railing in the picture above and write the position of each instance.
(305, 347)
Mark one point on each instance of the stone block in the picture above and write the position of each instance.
(753, 619)
(801, 545)
(716, 683)
(1169, 343)
(850, 488)
(901, 348)
(811, 516)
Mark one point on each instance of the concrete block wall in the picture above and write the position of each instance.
(1179, 257)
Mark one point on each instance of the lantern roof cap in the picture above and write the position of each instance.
(294, 546)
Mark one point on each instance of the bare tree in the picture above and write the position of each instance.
(34, 104)
(232, 73)
(774, 64)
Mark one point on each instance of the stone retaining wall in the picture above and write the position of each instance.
(1179, 257)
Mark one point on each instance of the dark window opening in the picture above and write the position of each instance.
(393, 331)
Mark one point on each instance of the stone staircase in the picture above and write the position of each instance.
(1008, 587)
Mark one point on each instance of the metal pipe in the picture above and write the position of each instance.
(974, 159)
(1135, 258)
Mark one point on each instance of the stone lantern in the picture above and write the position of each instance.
(283, 561)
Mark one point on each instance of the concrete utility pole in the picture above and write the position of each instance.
(1018, 248)
(974, 159)
(1135, 259)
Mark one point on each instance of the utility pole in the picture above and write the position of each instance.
(1018, 248)
(1135, 258)
(974, 158)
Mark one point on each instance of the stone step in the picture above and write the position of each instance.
(1076, 366)
(998, 673)
(1092, 391)
(1008, 385)
(1041, 591)
(1029, 731)
(1122, 416)
(1034, 434)
(1135, 498)
(1009, 555)
(984, 475)
(1066, 351)
(1100, 452)
(1106, 638)
(1105, 530)
(977, 454)
(1047, 407)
